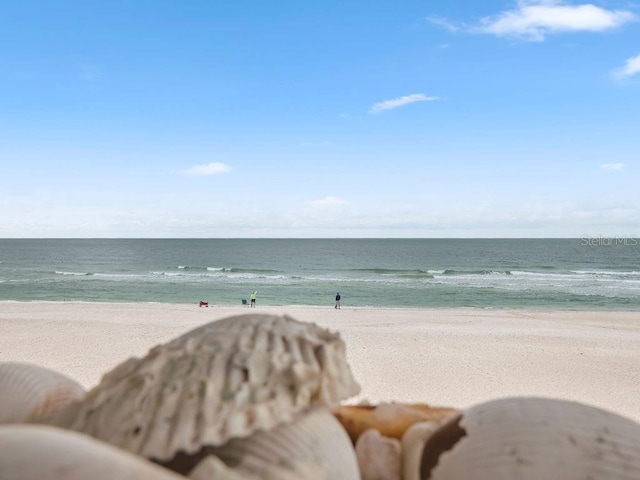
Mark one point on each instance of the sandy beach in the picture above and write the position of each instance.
(446, 357)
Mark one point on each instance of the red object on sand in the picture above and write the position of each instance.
(204, 304)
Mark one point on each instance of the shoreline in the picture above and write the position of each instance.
(442, 356)
(630, 310)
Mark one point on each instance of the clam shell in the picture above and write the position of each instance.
(31, 393)
(379, 457)
(390, 419)
(534, 438)
(227, 379)
(312, 447)
(40, 452)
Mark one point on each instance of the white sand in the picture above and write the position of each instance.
(454, 357)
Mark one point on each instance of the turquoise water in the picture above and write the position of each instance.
(494, 273)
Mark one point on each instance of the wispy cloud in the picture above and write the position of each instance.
(399, 102)
(328, 201)
(533, 20)
(612, 166)
(214, 168)
(631, 67)
(444, 23)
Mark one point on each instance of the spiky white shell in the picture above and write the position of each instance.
(40, 452)
(224, 380)
(31, 393)
(539, 438)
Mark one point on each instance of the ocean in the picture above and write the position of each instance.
(573, 274)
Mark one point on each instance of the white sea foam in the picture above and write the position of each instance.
(608, 273)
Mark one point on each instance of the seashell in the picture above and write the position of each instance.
(390, 419)
(413, 442)
(533, 438)
(379, 457)
(312, 447)
(39, 452)
(31, 393)
(211, 468)
(224, 380)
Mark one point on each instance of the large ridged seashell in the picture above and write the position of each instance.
(31, 393)
(390, 419)
(379, 457)
(534, 438)
(227, 379)
(40, 452)
(312, 447)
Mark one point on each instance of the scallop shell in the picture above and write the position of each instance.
(40, 452)
(227, 379)
(534, 438)
(379, 457)
(312, 447)
(390, 419)
(32, 393)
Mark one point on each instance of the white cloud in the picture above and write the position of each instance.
(534, 19)
(444, 23)
(612, 166)
(214, 168)
(399, 102)
(631, 67)
(328, 201)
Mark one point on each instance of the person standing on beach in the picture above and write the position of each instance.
(253, 299)
(337, 301)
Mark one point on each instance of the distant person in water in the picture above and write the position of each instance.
(337, 301)
(253, 299)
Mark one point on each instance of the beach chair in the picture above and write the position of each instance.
(245, 303)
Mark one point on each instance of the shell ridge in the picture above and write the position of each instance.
(169, 387)
(182, 427)
(213, 397)
(133, 430)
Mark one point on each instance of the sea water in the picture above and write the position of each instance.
(582, 273)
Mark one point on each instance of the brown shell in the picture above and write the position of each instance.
(30, 393)
(224, 380)
(390, 419)
(534, 438)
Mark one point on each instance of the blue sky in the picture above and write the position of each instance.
(319, 119)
